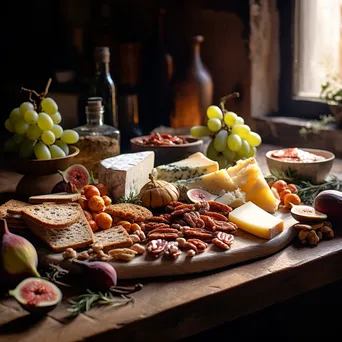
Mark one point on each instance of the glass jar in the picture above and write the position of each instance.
(97, 140)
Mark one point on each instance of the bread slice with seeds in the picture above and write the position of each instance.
(77, 235)
(114, 237)
(53, 215)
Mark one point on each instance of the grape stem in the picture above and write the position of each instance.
(227, 97)
(40, 96)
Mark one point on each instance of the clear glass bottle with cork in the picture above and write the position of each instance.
(97, 140)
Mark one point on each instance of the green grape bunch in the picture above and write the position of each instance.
(36, 130)
(232, 139)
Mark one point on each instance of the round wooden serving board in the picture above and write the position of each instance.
(245, 247)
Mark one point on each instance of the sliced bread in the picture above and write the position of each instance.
(77, 235)
(53, 215)
(12, 207)
(114, 237)
(60, 197)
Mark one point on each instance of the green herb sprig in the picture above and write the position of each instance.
(307, 191)
(131, 198)
(89, 300)
(316, 126)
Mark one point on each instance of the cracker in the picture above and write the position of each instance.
(129, 212)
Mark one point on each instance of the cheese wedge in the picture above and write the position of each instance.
(216, 182)
(248, 177)
(241, 164)
(254, 220)
(195, 165)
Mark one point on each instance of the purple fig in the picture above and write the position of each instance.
(98, 275)
(61, 186)
(18, 255)
(77, 175)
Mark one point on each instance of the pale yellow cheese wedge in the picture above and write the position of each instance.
(250, 180)
(240, 164)
(215, 182)
(254, 220)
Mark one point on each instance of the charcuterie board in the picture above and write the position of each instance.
(246, 247)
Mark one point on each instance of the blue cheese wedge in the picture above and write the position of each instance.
(126, 174)
(195, 165)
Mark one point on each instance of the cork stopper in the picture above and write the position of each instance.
(102, 54)
(94, 105)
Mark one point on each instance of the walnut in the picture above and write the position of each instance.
(327, 232)
(69, 253)
(312, 238)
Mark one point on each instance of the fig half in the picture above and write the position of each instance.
(199, 195)
(305, 214)
(77, 175)
(37, 295)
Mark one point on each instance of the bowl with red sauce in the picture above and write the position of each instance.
(167, 148)
(308, 164)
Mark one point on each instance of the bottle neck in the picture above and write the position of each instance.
(94, 118)
(196, 53)
(102, 68)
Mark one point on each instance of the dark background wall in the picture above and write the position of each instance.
(40, 37)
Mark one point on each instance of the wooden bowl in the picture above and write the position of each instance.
(315, 172)
(169, 154)
(38, 167)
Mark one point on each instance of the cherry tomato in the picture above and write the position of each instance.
(103, 189)
(283, 193)
(280, 185)
(83, 202)
(292, 188)
(90, 191)
(291, 199)
(96, 203)
(107, 200)
(87, 215)
(104, 220)
(93, 225)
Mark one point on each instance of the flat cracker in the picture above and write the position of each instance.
(129, 212)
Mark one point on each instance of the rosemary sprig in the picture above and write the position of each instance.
(89, 300)
(55, 273)
(131, 198)
(307, 191)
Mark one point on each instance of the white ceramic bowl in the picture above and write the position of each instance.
(316, 171)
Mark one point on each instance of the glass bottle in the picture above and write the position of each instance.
(97, 140)
(191, 90)
(104, 87)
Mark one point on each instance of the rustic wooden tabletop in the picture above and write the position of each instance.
(173, 308)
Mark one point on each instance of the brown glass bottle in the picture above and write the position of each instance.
(191, 90)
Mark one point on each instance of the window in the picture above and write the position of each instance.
(318, 45)
(310, 50)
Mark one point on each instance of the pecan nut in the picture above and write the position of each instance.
(197, 233)
(219, 243)
(200, 245)
(156, 247)
(224, 237)
(171, 250)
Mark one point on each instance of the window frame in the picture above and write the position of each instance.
(289, 104)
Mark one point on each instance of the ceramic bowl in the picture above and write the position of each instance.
(38, 167)
(169, 154)
(316, 171)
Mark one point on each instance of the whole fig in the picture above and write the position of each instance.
(19, 257)
(329, 202)
(97, 275)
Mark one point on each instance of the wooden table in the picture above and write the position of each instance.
(170, 309)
